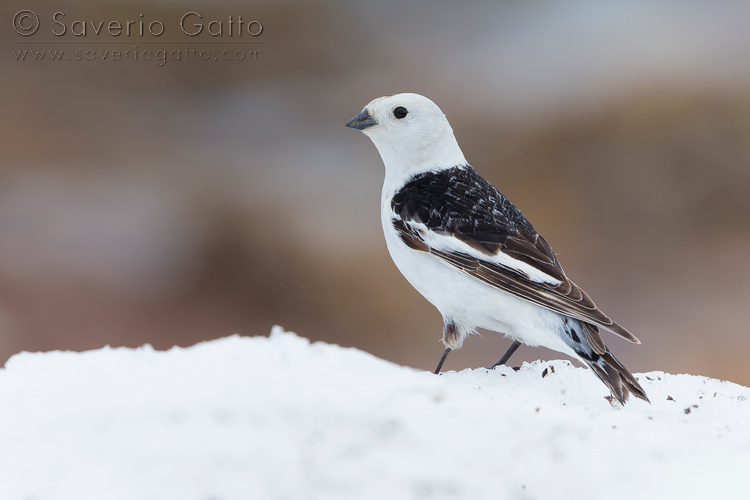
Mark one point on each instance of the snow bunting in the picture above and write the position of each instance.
(471, 253)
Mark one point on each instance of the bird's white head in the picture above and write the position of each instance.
(411, 134)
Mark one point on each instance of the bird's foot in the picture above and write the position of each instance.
(513, 348)
(442, 360)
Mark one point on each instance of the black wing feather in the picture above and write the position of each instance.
(459, 202)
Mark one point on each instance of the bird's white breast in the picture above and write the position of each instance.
(467, 301)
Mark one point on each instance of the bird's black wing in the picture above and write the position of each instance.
(459, 203)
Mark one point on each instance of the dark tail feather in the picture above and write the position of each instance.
(615, 376)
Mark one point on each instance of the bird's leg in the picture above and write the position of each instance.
(451, 338)
(442, 360)
(513, 347)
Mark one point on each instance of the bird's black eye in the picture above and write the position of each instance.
(400, 112)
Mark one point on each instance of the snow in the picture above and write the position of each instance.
(281, 418)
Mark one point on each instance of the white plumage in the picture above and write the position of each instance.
(470, 252)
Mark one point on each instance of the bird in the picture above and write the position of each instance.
(472, 253)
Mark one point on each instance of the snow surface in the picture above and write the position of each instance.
(280, 418)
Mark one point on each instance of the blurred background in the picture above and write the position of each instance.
(170, 204)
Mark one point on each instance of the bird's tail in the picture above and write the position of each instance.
(591, 350)
(615, 376)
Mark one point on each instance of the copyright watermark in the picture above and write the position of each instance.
(244, 33)
(136, 54)
(26, 22)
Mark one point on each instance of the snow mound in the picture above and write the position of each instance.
(281, 418)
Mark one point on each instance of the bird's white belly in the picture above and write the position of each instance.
(471, 303)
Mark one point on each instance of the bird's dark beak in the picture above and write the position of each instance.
(362, 121)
